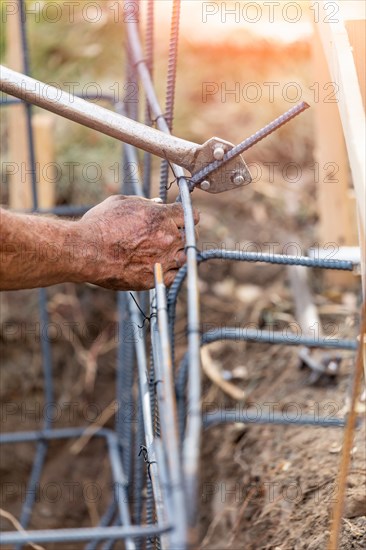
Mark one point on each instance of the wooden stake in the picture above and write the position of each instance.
(337, 220)
(340, 60)
(47, 173)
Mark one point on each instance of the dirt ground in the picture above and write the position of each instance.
(261, 486)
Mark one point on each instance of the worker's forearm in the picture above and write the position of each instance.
(115, 245)
(39, 251)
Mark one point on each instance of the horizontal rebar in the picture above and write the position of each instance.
(275, 337)
(82, 534)
(50, 434)
(236, 255)
(250, 416)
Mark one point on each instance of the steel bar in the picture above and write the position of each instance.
(192, 441)
(249, 142)
(280, 259)
(160, 450)
(139, 464)
(130, 183)
(149, 54)
(98, 118)
(82, 534)
(276, 337)
(41, 450)
(28, 108)
(104, 521)
(236, 255)
(124, 383)
(120, 486)
(50, 434)
(252, 416)
(146, 409)
(250, 335)
(167, 409)
(170, 90)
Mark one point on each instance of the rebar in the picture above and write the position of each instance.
(170, 90)
(249, 142)
(149, 54)
(252, 416)
(82, 534)
(167, 407)
(146, 409)
(237, 255)
(192, 443)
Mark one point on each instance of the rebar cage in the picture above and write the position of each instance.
(155, 463)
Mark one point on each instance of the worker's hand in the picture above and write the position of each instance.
(130, 235)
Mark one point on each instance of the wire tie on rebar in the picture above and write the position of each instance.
(186, 248)
(146, 317)
(188, 180)
(144, 452)
(143, 60)
(167, 187)
(154, 120)
(194, 331)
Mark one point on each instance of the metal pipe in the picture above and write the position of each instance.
(98, 118)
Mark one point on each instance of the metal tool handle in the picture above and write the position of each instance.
(189, 155)
(98, 118)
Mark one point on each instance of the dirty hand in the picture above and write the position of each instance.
(129, 235)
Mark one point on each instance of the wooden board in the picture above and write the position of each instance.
(340, 60)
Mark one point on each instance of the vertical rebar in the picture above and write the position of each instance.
(149, 54)
(170, 89)
(139, 464)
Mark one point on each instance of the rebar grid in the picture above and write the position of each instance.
(162, 453)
